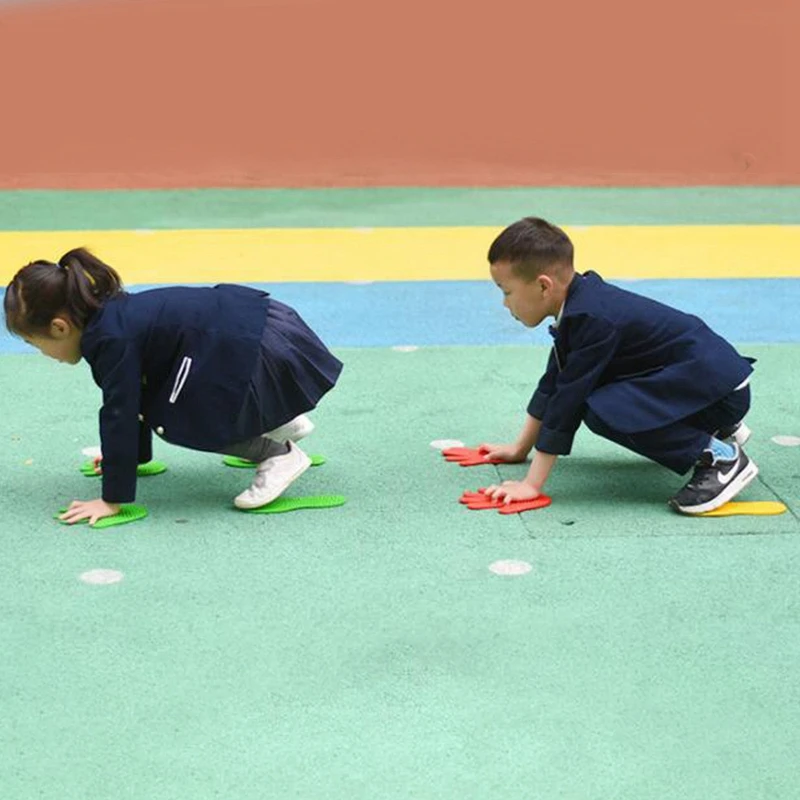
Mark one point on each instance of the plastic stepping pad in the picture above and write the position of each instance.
(478, 501)
(243, 463)
(759, 508)
(469, 456)
(284, 504)
(142, 470)
(130, 512)
(518, 506)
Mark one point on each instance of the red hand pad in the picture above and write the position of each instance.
(469, 457)
(478, 501)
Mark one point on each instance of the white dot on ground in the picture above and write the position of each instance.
(510, 567)
(92, 452)
(787, 441)
(101, 576)
(443, 444)
(405, 348)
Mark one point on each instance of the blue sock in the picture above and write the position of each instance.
(721, 450)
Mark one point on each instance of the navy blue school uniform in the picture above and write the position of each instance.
(638, 372)
(204, 368)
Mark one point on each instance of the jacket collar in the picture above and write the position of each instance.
(577, 279)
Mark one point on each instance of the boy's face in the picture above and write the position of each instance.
(528, 301)
(63, 343)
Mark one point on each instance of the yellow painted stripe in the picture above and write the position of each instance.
(402, 254)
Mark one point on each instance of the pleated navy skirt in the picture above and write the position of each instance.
(293, 371)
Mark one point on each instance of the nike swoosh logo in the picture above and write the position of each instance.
(726, 478)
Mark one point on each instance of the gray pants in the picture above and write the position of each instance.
(257, 449)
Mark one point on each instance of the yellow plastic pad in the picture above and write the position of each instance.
(759, 508)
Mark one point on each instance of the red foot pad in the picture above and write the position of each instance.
(469, 456)
(478, 501)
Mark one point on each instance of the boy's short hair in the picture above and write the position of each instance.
(532, 246)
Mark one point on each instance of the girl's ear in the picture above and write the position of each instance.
(60, 328)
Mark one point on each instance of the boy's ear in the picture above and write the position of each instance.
(545, 283)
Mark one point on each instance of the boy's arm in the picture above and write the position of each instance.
(541, 465)
(529, 434)
(593, 343)
(532, 485)
(556, 409)
(546, 386)
(540, 468)
(518, 451)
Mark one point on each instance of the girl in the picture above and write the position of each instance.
(206, 368)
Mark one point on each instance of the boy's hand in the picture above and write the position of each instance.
(92, 510)
(468, 457)
(511, 491)
(508, 453)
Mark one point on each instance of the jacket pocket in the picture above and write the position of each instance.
(180, 378)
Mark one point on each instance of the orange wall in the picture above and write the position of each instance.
(425, 92)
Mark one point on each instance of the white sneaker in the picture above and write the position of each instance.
(293, 431)
(273, 478)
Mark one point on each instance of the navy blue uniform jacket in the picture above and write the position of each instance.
(204, 368)
(636, 363)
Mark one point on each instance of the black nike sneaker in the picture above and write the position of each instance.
(714, 482)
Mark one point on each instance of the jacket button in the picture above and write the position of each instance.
(160, 430)
(141, 417)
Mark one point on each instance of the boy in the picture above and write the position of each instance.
(647, 376)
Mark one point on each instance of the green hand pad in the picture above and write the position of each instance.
(130, 512)
(243, 463)
(283, 504)
(142, 471)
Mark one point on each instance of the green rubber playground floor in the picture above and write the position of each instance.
(367, 651)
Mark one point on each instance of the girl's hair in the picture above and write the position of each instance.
(75, 286)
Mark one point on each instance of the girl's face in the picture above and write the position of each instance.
(63, 343)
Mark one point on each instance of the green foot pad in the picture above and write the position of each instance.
(243, 463)
(143, 470)
(130, 512)
(283, 504)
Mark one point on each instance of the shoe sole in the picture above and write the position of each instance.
(742, 480)
(278, 492)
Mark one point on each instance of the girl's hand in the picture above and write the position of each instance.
(509, 491)
(92, 510)
(97, 461)
(511, 453)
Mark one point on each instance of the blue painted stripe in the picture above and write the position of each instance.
(755, 311)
